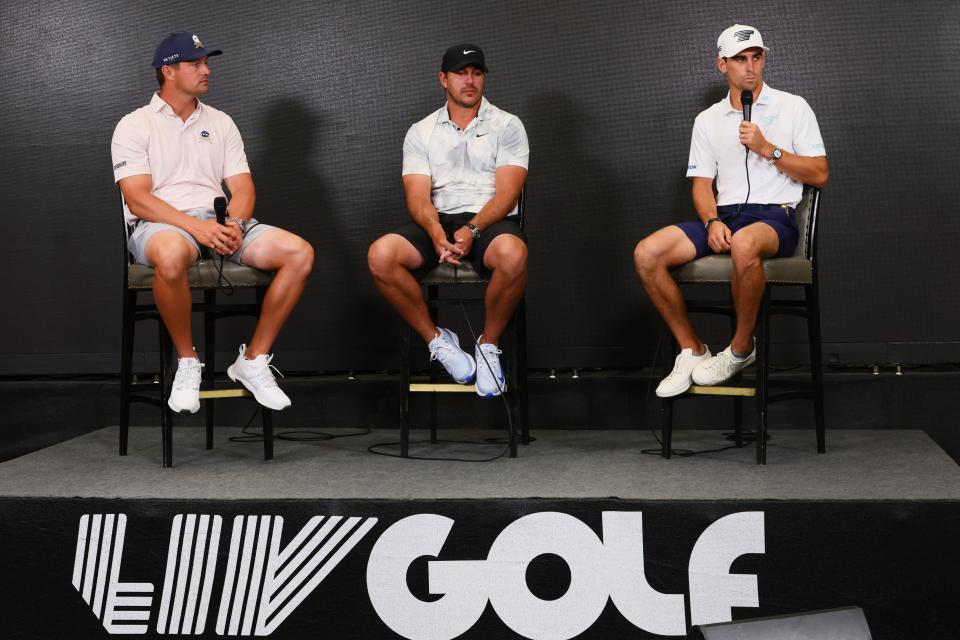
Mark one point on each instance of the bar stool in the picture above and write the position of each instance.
(443, 279)
(204, 276)
(796, 272)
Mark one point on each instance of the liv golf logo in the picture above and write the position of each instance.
(264, 583)
(262, 586)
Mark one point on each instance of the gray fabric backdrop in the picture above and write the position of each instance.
(323, 93)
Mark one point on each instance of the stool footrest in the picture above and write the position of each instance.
(419, 387)
(224, 393)
(747, 392)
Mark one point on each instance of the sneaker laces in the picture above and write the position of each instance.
(441, 352)
(263, 374)
(722, 365)
(681, 358)
(188, 376)
(491, 349)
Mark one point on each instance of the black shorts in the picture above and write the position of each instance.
(450, 223)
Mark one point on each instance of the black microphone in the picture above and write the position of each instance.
(746, 99)
(220, 206)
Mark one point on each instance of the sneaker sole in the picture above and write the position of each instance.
(493, 394)
(470, 378)
(231, 373)
(675, 393)
(177, 409)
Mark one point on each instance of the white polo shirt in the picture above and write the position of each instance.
(187, 160)
(785, 120)
(461, 163)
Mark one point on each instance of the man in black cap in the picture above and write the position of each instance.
(463, 168)
(171, 159)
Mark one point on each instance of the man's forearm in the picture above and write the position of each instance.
(495, 210)
(425, 215)
(811, 170)
(804, 169)
(705, 203)
(152, 209)
(241, 205)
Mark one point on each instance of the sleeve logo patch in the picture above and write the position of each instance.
(119, 164)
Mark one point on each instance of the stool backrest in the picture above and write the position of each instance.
(806, 217)
(521, 208)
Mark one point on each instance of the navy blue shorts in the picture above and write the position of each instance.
(781, 218)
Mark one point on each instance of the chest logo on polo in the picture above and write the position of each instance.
(205, 136)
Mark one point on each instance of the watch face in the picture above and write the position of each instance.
(777, 153)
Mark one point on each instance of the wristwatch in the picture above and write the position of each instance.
(775, 155)
(240, 223)
(706, 225)
(473, 230)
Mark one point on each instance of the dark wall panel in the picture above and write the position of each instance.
(324, 92)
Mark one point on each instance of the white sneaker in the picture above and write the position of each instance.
(679, 379)
(185, 393)
(458, 363)
(256, 376)
(490, 381)
(722, 367)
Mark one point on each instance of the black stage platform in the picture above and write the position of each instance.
(581, 536)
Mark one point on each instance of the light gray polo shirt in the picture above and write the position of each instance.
(785, 120)
(462, 163)
(187, 161)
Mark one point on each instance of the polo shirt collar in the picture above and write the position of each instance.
(765, 98)
(445, 114)
(160, 105)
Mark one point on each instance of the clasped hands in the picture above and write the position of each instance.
(453, 252)
(224, 239)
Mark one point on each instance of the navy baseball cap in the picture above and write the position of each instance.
(462, 55)
(180, 47)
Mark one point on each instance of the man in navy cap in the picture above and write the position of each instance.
(171, 159)
(778, 152)
(463, 168)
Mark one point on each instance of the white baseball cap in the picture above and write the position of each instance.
(736, 39)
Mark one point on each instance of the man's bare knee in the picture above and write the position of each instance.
(300, 256)
(745, 250)
(382, 256)
(170, 257)
(508, 256)
(647, 258)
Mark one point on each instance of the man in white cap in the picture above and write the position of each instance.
(759, 168)
(463, 168)
(172, 159)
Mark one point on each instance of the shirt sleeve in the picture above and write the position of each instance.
(415, 153)
(807, 140)
(129, 149)
(234, 156)
(513, 148)
(702, 163)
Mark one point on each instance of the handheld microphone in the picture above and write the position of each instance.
(746, 99)
(220, 207)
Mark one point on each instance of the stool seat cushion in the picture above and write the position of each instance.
(204, 275)
(444, 274)
(718, 269)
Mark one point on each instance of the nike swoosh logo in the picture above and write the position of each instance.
(471, 51)
(482, 134)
